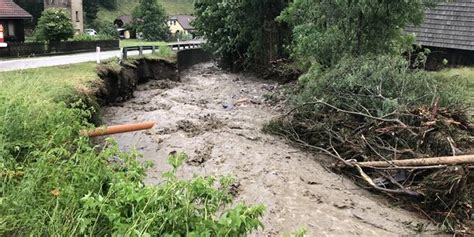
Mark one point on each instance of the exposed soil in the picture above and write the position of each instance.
(216, 118)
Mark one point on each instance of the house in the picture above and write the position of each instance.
(123, 21)
(74, 7)
(448, 31)
(12, 19)
(181, 24)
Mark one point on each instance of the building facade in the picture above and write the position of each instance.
(74, 7)
(448, 31)
(181, 24)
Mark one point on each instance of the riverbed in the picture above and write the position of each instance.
(216, 118)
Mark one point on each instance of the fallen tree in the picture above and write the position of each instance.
(380, 120)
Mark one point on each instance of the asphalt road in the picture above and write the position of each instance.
(49, 61)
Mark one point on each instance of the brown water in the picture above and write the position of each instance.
(216, 118)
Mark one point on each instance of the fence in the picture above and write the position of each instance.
(38, 49)
(173, 46)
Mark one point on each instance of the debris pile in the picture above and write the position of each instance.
(381, 111)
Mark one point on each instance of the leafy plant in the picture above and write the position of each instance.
(242, 33)
(54, 25)
(326, 31)
(150, 19)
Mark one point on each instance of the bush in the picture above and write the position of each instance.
(379, 84)
(54, 25)
(86, 37)
(149, 18)
(108, 29)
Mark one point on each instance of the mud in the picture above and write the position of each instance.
(118, 83)
(216, 118)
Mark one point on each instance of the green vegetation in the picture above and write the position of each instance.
(136, 42)
(358, 98)
(56, 183)
(242, 33)
(48, 83)
(350, 28)
(35, 8)
(172, 7)
(164, 51)
(150, 18)
(54, 25)
(91, 8)
(466, 73)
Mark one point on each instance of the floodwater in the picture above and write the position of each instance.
(216, 118)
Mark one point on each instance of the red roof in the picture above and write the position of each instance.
(9, 10)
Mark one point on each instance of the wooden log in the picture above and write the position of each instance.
(448, 160)
(117, 129)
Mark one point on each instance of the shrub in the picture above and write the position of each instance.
(86, 37)
(108, 29)
(150, 19)
(326, 31)
(54, 25)
(379, 84)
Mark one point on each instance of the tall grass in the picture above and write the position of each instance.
(466, 73)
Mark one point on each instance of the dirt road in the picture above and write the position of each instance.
(216, 118)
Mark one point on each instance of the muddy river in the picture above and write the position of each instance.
(216, 118)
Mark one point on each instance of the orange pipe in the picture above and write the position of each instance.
(104, 131)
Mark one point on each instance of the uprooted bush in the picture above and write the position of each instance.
(55, 183)
(377, 109)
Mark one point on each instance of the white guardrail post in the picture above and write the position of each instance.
(97, 49)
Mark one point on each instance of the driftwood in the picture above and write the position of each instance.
(448, 160)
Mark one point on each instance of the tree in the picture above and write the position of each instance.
(54, 25)
(150, 19)
(34, 7)
(324, 31)
(91, 7)
(108, 4)
(243, 33)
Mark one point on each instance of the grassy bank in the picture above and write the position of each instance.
(56, 183)
(48, 83)
(467, 73)
(172, 7)
(136, 42)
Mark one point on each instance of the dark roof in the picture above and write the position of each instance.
(448, 25)
(184, 21)
(9, 10)
(126, 19)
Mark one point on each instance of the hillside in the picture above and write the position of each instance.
(125, 7)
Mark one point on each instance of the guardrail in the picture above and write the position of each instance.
(173, 46)
(15, 49)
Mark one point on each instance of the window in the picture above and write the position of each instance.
(77, 16)
(11, 29)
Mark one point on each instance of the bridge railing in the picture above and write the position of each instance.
(173, 46)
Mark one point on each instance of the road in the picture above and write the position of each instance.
(49, 61)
